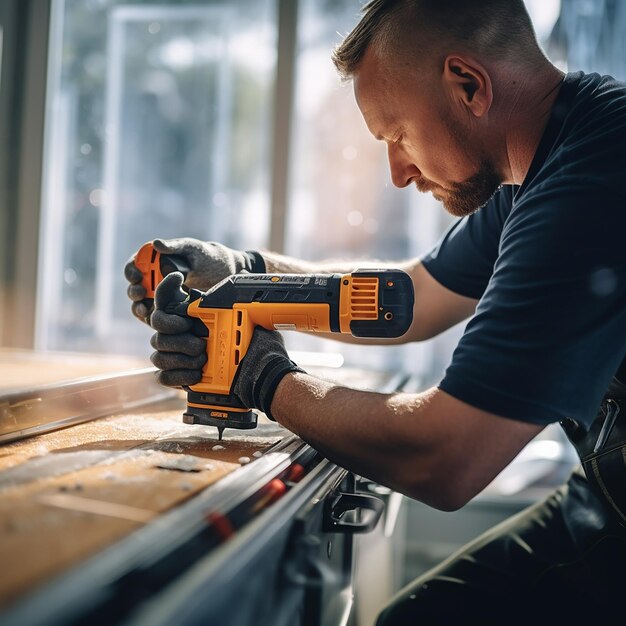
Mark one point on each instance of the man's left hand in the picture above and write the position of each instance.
(180, 354)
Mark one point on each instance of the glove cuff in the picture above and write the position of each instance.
(254, 262)
(271, 376)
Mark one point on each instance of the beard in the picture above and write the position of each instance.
(466, 197)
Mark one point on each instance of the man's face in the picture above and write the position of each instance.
(426, 144)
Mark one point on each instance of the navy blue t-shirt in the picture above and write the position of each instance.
(547, 261)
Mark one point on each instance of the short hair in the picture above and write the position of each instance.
(496, 28)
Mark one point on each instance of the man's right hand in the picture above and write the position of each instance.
(208, 262)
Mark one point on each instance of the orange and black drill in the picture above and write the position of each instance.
(364, 303)
(154, 265)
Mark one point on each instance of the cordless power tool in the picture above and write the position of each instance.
(154, 266)
(364, 303)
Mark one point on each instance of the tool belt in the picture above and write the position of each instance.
(602, 449)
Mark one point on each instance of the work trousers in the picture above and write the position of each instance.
(561, 561)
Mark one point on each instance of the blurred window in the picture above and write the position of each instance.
(589, 35)
(159, 124)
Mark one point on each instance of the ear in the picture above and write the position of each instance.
(469, 84)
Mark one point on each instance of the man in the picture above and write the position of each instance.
(531, 161)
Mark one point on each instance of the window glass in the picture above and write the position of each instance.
(589, 36)
(157, 126)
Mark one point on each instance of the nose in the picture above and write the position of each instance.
(402, 169)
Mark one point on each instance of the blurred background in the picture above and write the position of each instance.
(125, 121)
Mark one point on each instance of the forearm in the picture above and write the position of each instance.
(366, 432)
(418, 444)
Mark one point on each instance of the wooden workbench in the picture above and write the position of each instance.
(68, 494)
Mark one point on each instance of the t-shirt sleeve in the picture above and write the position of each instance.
(550, 329)
(463, 259)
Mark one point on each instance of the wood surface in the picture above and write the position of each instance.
(66, 495)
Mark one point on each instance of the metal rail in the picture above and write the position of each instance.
(30, 412)
(158, 552)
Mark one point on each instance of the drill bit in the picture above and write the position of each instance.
(220, 430)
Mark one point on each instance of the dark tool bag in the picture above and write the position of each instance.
(602, 449)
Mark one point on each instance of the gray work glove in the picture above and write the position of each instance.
(180, 353)
(266, 363)
(208, 262)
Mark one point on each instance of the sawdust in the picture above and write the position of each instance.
(185, 463)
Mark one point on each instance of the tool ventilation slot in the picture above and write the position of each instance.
(364, 298)
(153, 262)
(238, 322)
